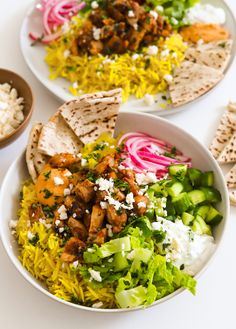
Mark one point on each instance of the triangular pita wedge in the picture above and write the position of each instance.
(57, 137)
(228, 155)
(192, 80)
(31, 150)
(223, 134)
(214, 54)
(90, 117)
(231, 177)
(232, 197)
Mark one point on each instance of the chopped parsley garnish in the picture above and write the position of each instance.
(172, 153)
(120, 148)
(39, 39)
(122, 185)
(222, 44)
(47, 174)
(181, 267)
(99, 147)
(47, 193)
(49, 211)
(34, 240)
(91, 177)
(75, 300)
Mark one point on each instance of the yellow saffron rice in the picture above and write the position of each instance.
(43, 260)
(139, 75)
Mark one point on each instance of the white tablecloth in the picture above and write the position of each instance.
(23, 307)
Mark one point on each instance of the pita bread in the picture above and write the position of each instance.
(192, 80)
(31, 150)
(232, 107)
(223, 134)
(231, 177)
(228, 155)
(39, 161)
(90, 117)
(213, 54)
(57, 137)
(232, 197)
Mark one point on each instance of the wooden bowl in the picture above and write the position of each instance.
(23, 90)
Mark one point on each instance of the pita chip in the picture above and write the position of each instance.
(228, 155)
(215, 54)
(232, 107)
(32, 150)
(90, 117)
(232, 197)
(192, 80)
(57, 137)
(231, 177)
(223, 134)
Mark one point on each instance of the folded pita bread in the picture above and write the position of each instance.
(223, 134)
(230, 177)
(39, 161)
(31, 150)
(214, 54)
(57, 137)
(89, 117)
(232, 197)
(192, 80)
(228, 155)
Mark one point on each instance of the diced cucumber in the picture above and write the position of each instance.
(175, 189)
(202, 211)
(199, 226)
(157, 190)
(187, 184)
(181, 203)
(207, 179)
(120, 262)
(213, 217)
(178, 171)
(194, 176)
(170, 208)
(197, 196)
(211, 194)
(150, 213)
(187, 218)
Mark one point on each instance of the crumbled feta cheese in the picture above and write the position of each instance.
(97, 305)
(94, 5)
(11, 109)
(61, 229)
(145, 178)
(66, 53)
(67, 173)
(141, 204)
(165, 53)
(174, 55)
(152, 50)
(62, 212)
(75, 85)
(105, 184)
(30, 235)
(103, 204)
(110, 260)
(13, 223)
(61, 209)
(153, 13)
(131, 13)
(108, 61)
(148, 99)
(96, 33)
(168, 78)
(57, 222)
(66, 191)
(84, 162)
(117, 205)
(79, 155)
(91, 250)
(135, 26)
(135, 56)
(58, 181)
(95, 275)
(87, 211)
(130, 198)
(70, 186)
(63, 216)
(112, 146)
(75, 264)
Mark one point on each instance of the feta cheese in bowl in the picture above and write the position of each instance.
(206, 13)
(16, 102)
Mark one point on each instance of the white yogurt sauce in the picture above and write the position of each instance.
(185, 246)
(205, 13)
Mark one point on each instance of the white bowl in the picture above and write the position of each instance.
(153, 125)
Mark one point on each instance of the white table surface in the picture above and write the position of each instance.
(23, 307)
